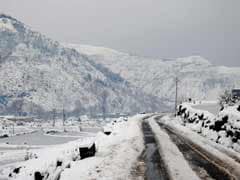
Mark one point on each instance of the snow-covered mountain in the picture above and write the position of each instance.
(39, 75)
(198, 78)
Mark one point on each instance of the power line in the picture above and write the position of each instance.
(176, 95)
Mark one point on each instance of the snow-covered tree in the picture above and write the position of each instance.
(226, 99)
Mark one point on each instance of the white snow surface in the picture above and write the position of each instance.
(93, 50)
(233, 115)
(116, 155)
(42, 75)
(6, 25)
(223, 128)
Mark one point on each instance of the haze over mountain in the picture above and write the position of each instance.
(198, 78)
(155, 28)
(39, 75)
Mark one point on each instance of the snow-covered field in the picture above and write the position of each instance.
(210, 106)
(122, 146)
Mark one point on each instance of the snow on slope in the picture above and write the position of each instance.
(5, 24)
(198, 77)
(39, 74)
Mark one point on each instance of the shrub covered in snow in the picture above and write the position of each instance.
(223, 128)
(48, 163)
(226, 99)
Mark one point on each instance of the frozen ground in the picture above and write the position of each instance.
(213, 107)
(38, 138)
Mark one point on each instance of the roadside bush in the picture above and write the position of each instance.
(223, 129)
(226, 99)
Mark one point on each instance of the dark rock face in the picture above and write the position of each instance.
(219, 125)
(17, 170)
(238, 108)
(86, 152)
(59, 163)
(107, 132)
(38, 176)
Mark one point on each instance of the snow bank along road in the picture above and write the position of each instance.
(184, 159)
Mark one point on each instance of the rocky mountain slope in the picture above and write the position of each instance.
(39, 75)
(198, 78)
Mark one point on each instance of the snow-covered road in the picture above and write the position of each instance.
(150, 146)
(155, 167)
(188, 158)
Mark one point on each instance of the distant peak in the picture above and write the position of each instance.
(93, 50)
(4, 16)
(194, 59)
(7, 23)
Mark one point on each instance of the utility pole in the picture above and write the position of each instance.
(63, 105)
(54, 116)
(64, 116)
(13, 128)
(176, 95)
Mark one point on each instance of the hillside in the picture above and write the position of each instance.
(198, 78)
(39, 74)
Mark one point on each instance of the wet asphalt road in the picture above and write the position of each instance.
(155, 166)
(205, 165)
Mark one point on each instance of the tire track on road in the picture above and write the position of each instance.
(203, 163)
(154, 166)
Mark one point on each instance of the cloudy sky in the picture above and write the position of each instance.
(155, 28)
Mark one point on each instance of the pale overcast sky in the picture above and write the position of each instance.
(156, 28)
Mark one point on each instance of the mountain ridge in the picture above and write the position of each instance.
(40, 75)
(199, 79)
